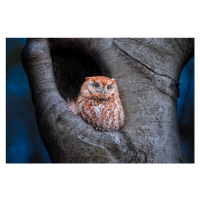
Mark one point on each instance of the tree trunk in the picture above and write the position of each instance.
(147, 73)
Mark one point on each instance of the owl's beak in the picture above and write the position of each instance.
(102, 92)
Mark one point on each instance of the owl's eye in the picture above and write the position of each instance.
(109, 87)
(96, 85)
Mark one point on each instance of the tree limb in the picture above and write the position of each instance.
(147, 72)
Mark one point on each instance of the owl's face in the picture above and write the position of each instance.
(99, 87)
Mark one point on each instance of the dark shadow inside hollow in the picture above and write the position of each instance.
(70, 69)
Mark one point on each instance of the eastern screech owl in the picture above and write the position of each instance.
(99, 104)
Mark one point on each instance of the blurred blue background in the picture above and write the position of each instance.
(185, 111)
(23, 142)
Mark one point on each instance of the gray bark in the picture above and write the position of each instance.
(147, 73)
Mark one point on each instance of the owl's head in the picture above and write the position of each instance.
(99, 87)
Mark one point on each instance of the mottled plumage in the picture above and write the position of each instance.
(99, 104)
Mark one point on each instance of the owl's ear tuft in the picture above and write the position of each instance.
(88, 78)
(114, 80)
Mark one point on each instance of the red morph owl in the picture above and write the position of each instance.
(99, 104)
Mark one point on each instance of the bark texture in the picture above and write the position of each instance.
(147, 73)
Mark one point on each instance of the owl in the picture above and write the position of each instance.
(99, 104)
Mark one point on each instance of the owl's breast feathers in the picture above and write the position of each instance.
(102, 114)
